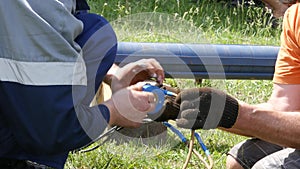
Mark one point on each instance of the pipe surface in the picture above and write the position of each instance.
(204, 61)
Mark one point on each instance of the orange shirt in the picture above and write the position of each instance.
(287, 69)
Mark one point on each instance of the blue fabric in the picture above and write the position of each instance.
(92, 23)
(43, 115)
(39, 123)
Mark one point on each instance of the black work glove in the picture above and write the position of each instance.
(206, 108)
(170, 109)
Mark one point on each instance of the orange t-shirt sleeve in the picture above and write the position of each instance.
(287, 68)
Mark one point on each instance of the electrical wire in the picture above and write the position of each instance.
(108, 134)
(190, 144)
(208, 166)
(206, 151)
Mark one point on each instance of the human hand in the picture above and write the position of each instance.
(129, 106)
(135, 72)
(206, 108)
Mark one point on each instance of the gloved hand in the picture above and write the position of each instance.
(206, 108)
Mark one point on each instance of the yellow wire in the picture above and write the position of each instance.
(191, 150)
(208, 166)
(191, 145)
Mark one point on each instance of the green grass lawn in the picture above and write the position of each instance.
(186, 21)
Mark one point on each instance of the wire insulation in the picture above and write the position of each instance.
(191, 146)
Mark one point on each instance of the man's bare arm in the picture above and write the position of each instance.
(277, 121)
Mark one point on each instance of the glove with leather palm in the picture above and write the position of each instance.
(206, 108)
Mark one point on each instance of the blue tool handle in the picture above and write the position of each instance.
(204, 148)
(159, 94)
(177, 132)
(150, 88)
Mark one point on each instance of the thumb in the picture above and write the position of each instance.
(138, 86)
(143, 101)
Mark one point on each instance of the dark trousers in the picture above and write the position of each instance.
(19, 164)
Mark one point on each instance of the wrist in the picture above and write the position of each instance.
(230, 113)
(112, 112)
(114, 83)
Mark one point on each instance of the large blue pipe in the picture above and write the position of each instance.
(204, 61)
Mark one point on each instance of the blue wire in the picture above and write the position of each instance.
(177, 132)
(169, 93)
(184, 140)
(204, 148)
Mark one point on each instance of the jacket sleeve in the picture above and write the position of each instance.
(45, 109)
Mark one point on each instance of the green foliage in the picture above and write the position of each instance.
(216, 22)
(219, 21)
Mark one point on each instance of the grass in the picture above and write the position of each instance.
(219, 21)
(183, 21)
